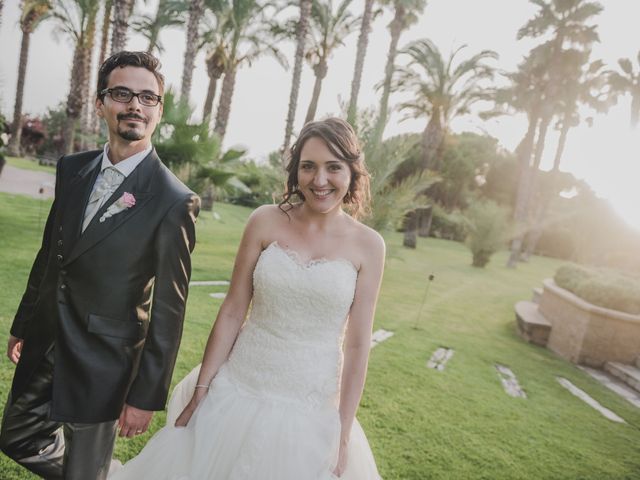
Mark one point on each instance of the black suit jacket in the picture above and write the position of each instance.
(112, 299)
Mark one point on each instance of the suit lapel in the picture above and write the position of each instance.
(79, 191)
(138, 184)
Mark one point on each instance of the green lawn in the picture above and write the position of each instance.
(422, 424)
(29, 164)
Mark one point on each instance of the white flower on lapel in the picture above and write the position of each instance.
(126, 201)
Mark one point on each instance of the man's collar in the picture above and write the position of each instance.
(127, 165)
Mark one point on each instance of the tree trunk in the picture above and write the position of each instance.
(520, 212)
(301, 33)
(104, 46)
(396, 28)
(88, 106)
(155, 32)
(361, 52)
(16, 127)
(121, 12)
(635, 109)
(431, 140)
(196, 10)
(208, 103)
(540, 218)
(410, 229)
(74, 100)
(425, 215)
(1, 8)
(224, 104)
(320, 71)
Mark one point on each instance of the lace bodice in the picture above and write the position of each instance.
(290, 347)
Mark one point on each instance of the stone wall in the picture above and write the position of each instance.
(586, 334)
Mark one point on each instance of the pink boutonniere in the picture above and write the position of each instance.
(125, 202)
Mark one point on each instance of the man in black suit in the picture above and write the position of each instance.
(97, 331)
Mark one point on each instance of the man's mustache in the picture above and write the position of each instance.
(131, 116)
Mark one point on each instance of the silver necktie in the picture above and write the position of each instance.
(108, 182)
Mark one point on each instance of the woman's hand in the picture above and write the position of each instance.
(341, 466)
(185, 416)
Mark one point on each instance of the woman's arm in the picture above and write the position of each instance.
(358, 335)
(232, 312)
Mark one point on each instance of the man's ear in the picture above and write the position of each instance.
(99, 107)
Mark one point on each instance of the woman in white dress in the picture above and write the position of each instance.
(276, 395)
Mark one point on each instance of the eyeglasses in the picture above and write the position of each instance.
(124, 95)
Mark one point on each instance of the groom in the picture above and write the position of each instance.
(97, 331)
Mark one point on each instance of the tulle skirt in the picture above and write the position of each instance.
(237, 434)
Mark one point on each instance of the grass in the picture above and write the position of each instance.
(29, 164)
(455, 424)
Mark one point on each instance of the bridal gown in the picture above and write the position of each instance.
(272, 410)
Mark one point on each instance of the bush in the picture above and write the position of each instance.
(603, 287)
(487, 223)
(450, 226)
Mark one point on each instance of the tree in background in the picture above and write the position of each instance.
(196, 11)
(33, 12)
(628, 81)
(251, 37)
(122, 10)
(170, 13)
(301, 37)
(441, 89)
(361, 52)
(488, 223)
(405, 14)
(327, 32)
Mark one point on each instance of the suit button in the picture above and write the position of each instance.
(60, 258)
(59, 243)
(60, 228)
(63, 272)
(63, 287)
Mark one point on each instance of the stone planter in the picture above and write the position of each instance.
(586, 334)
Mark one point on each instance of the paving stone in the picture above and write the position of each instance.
(440, 358)
(208, 283)
(218, 295)
(584, 396)
(380, 336)
(510, 382)
(614, 385)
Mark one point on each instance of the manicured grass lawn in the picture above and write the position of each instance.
(422, 424)
(28, 164)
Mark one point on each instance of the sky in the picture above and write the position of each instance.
(606, 155)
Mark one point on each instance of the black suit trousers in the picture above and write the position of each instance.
(52, 449)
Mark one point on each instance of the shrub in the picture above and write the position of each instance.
(606, 288)
(487, 223)
(450, 226)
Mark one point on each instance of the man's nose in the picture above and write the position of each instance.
(134, 104)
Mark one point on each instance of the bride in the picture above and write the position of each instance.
(276, 395)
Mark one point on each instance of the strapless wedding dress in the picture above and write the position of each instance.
(272, 410)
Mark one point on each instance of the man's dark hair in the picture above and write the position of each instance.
(129, 59)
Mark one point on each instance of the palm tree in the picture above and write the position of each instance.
(215, 38)
(33, 12)
(628, 82)
(405, 14)
(584, 84)
(76, 19)
(121, 12)
(251, 36)
(363, 44)
(327, 32)
(102, 55)
(301, 35)
(566, 21)
(87, 52)
(442, 89)
(196, 11)
(1, 7)
(168, 14)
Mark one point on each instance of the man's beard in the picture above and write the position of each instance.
(130, 134)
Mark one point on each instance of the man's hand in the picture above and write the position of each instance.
(133, 421)
(14, 348)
